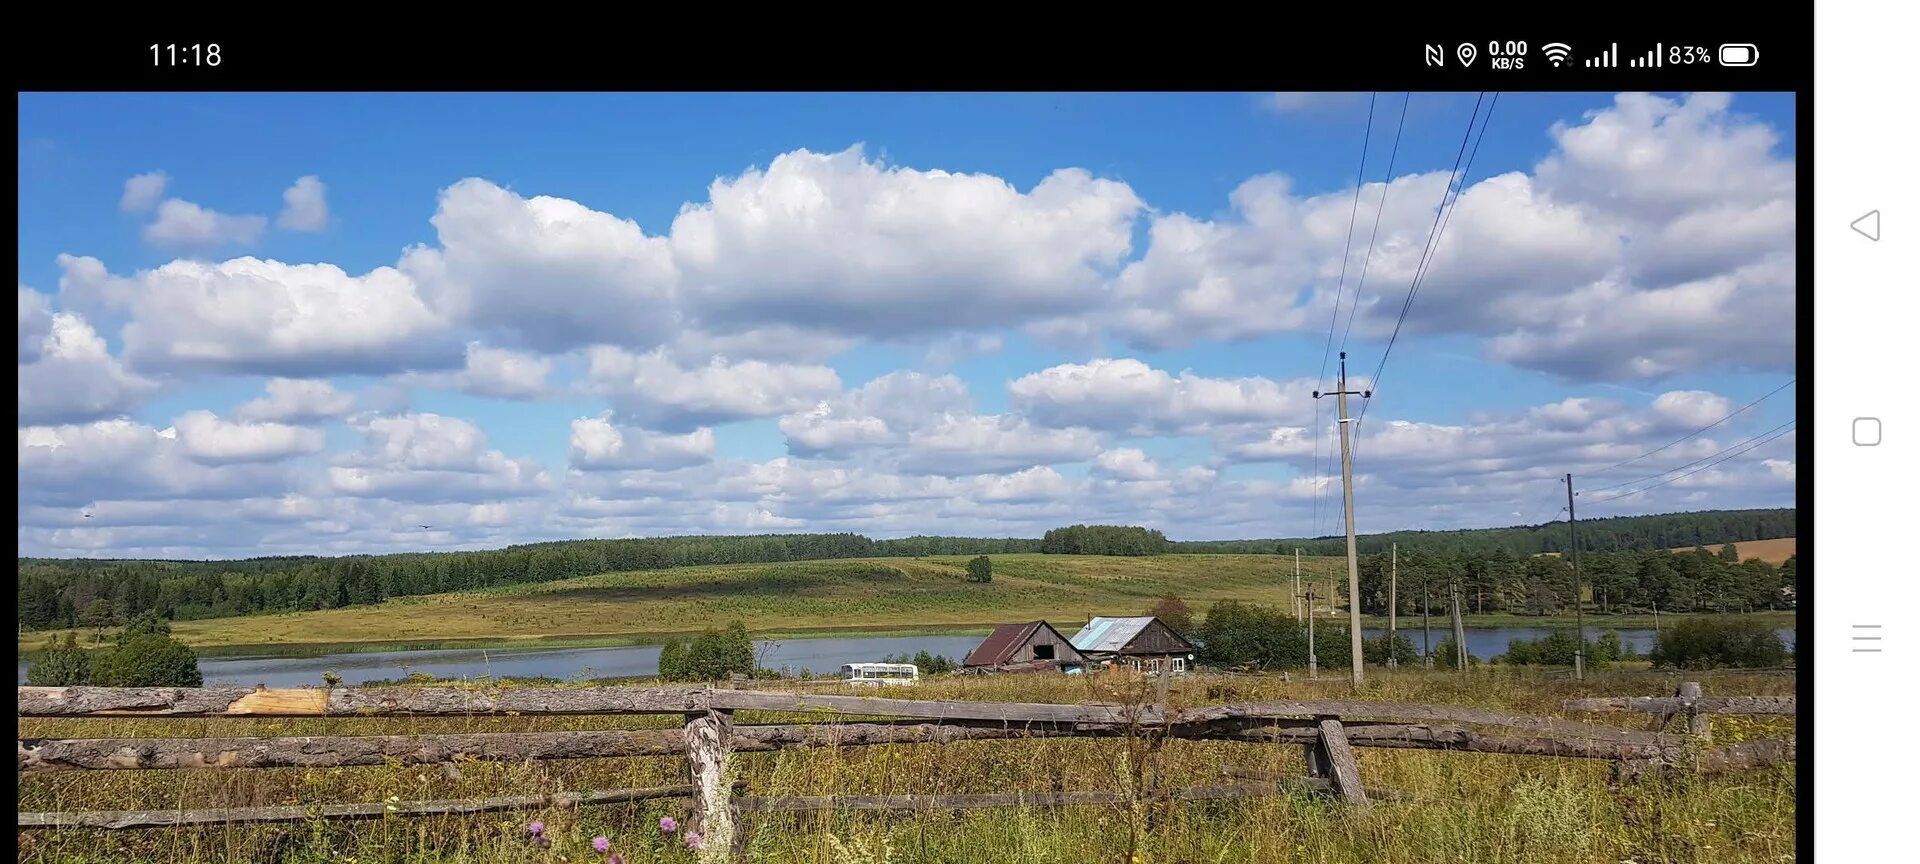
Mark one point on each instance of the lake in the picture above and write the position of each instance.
(823, 655)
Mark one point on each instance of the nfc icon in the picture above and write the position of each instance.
(1436, 55)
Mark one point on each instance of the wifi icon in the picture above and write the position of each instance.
(1557, 52)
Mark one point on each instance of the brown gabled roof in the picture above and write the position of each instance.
(1006, 640)
(1001, 644)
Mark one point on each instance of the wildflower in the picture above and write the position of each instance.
(536, 828)
(667, 825)
(602, 844)
(693, 840)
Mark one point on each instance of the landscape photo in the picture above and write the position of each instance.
(534, 477)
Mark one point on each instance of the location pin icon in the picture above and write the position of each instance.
(1467, 53)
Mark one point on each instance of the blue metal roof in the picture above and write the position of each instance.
(1109, 634)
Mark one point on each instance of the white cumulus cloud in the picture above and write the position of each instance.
(143, 191)
(181, 224)
(305, 205)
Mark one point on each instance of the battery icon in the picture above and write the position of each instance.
(1739, 54)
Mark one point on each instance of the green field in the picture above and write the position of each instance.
(1463, 806)
(791, 598)
(877, 596)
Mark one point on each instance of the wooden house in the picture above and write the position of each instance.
(1033, 645)
(1144, 643)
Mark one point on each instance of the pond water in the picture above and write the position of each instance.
(823, 655)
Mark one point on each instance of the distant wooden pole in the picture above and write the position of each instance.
(1459, 627)
(1579, 622)
(1426, 623)
(1313, 657)
(1296, 583)
(1393, 603)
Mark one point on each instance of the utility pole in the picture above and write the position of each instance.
(1296, 583)
(1393, 602)
(1459, 626)
(1579, 620)
(1313, 659)
(1426, 624)
(1346, 482)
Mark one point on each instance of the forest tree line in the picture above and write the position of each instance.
(98, 594)
(1612, 534)
(1698, 580)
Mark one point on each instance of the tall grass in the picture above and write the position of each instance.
(1464, 807)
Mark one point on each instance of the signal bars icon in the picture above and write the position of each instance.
(1607, 59)
(1652, 58)
(1557, 53)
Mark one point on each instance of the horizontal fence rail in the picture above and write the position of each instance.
(449, 701)
(1781, 706)
(1328, 730)
(303, 813)
(122, 754)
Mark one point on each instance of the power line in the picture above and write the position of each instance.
(1695, 432)
(1776, 432)
(1457, 184)
(1385, 187)
(1339, 290)
(1689, 464)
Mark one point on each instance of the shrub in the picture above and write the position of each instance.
(63, 664)
(1173, 612)
(1557, 649)
(717, 654)
(933, 664)
(1710, 643)
(1378, 650)
(673, 660)
(1235, 633)
(980, 569)
(146, 660)
(1445, 655)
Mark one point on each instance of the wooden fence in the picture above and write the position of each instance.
(1327, 729)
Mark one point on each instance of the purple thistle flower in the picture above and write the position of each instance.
(667, 825)
(536, 828)
(693, 840)
(602, 844)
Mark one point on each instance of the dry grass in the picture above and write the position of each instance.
(1467, 807)
(1771, 551)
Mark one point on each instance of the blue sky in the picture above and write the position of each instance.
(268, 323)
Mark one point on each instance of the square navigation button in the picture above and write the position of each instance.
(1866, 431)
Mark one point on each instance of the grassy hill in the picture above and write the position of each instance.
(874, 593)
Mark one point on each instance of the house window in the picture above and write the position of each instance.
(1043, 652)
(1179, 664)
(1153, 664)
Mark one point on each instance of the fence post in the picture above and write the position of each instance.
(1316, 758)
(1338, 756)
(709, 738)
(1698, 724)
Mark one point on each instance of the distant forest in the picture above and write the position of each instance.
(60, 593)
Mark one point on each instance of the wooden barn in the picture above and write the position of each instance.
(1144, 643)
(1034, 645)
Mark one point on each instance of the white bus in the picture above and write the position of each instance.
(880, 674)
